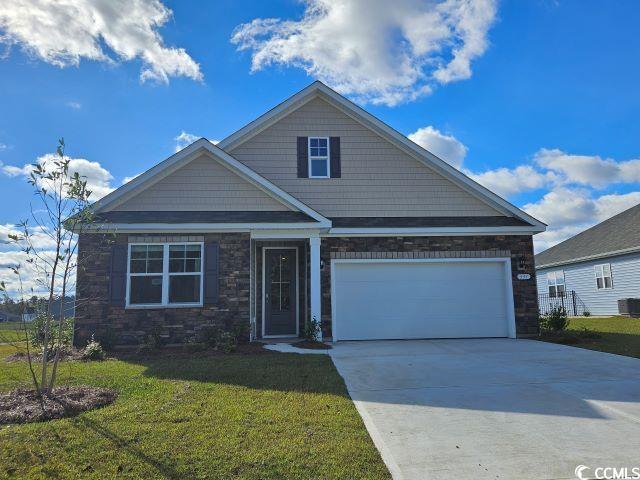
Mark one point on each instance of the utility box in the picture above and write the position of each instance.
(629, 307)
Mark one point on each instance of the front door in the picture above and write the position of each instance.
(280, 314)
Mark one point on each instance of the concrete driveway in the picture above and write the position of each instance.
(494, 408)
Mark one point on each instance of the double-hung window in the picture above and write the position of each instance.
(603, 276)
(319, 164)
(555, 283)
(168, 274)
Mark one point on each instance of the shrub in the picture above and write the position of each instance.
(209, 335)
(586, 313)
(107, 339)
(241, 332)
(554, 321)
(93, 350)
(311, 330)
(226, 342)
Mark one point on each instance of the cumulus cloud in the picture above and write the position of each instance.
(375, 53)
(41, 237)
(63, 33)
(98, 178)
(510, 181)
(74, 105)
(569, 211)
(446, 147)
(184, 139)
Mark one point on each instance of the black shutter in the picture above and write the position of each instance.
(118, 275)
(334, 151)
(303, 157)
(210, 273)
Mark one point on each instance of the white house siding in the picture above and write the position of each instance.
(202, 185)
(378, 179)
(625, 272)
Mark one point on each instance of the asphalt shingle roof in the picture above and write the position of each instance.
(619, 233)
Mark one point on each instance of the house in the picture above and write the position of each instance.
(315, 210)
(601, 265)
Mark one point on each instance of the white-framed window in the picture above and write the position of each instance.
(164, 274)
(603, 276)
(555, 283)
(319, 165)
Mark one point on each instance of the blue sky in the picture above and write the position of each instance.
(547, 114)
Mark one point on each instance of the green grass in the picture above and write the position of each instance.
(236, 416)
(619, 335)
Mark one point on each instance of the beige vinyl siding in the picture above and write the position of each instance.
(202, 185)
(378, 179)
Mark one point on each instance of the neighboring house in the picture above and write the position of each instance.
(9, 317)
(601, 265)
(318, 210)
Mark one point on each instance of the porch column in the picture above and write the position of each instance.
(316, 298)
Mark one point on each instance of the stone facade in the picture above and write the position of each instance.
(96, 315)
(520, 247)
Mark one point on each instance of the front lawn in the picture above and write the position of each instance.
(11, 332)
(620, 335)
(235, 416)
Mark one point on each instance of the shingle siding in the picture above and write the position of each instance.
(201, 185)
(378, 179)
(580, 277)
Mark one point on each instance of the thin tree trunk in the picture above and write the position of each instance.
(61, 320)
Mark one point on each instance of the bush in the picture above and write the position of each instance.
(554, 321)
(311, 330)
(586, 313)
(93, 350)
(209, 335)
(107, 339)
(36, 331)
(226, 342)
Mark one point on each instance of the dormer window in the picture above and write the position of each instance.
(319, 165)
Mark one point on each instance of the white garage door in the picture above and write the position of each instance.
(375, 300)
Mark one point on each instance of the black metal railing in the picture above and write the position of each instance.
(570, 301)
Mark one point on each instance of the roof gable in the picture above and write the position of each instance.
(615, 236)
(318, 89)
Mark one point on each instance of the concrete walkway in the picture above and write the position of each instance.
(494, 408)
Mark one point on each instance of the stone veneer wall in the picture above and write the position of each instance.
(95, 315)
(520, 247)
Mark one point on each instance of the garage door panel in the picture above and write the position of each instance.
(419, 300)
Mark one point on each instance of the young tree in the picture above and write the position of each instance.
(62, 213)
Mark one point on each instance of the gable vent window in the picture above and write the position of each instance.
(319, 157)
(603, 276)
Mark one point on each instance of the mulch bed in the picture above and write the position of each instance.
(312, 345)
(24, 406)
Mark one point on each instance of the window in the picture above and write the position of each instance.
(603, 276)
(319, 157)
(555, 282)
(165, 274)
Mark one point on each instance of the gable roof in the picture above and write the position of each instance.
(318, 89)
(618, 235)
(184, 156)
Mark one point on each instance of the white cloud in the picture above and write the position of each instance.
(446, 147)
(128, 179)
(97, 177)
(74, 105)
(3, 146)
(569, 211)
(184, 140)
(40, 237)
(590, 170)
(371, 50)
(506, 182)
(64, 32)
(32, 274)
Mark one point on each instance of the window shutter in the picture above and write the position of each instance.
(303, 157)
(118, 275)
(211, 273)
(334, 151)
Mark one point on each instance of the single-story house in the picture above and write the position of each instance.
(315, 210)
(601, 265)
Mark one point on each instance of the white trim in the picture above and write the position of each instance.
(430, 231)
(326, 158)
(506, 261)
(293, 247)
(187, 154)
(613, 253)
(554, 284)
(166, 275)
(317, 88)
